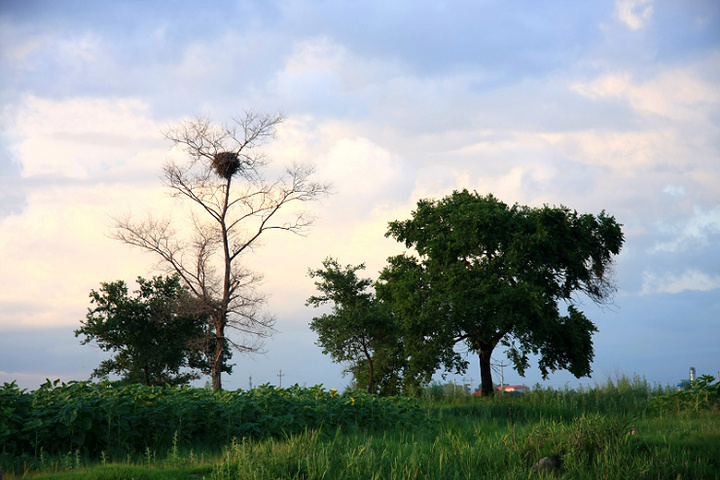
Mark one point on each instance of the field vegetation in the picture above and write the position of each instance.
(624, 429)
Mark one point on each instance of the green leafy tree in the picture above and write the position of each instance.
(427, 338)
(358, 330)
(157, 334)
(488, 274)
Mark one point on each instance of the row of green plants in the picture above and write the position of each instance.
(624, 429)
(98, 419)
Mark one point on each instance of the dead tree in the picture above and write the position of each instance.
(233, 205)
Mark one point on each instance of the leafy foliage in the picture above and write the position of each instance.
(154, 333)
(359, 330)
(105, 417)
(702, 394)
(487, 273)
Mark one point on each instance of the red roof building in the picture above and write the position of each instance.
(514, 389)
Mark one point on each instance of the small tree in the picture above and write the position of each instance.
(359, 330)
(489, 274)
(233, 207)
(156, 335)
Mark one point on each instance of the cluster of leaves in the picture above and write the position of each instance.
(359, 330)
(98, 418)
(481, 274)
(489, 274)
(701, 395)
(159, 335)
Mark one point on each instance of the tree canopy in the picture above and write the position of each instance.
(358, 331)
(160, 335)
(486, 274)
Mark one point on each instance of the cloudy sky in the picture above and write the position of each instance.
(593, 105)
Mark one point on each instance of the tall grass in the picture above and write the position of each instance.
(591, 447)
(625, 429)
(611, 431)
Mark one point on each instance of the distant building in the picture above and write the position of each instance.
(513, 389)
(509, 389)
(686, 383)
(682, 385)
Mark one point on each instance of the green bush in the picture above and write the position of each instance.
(97, 418)
(703, 394)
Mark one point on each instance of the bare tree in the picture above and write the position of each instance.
(233, 205)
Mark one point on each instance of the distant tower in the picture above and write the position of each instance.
(692, 374)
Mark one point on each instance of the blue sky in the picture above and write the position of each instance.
(593, 105)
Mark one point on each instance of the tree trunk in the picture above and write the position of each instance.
(371, 369)
(371, 383)
(219, 355)
(221, 321)
(486, 370)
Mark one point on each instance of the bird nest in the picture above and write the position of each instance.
(226, 164)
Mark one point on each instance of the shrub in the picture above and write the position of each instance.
(703, 394)
(102, 417)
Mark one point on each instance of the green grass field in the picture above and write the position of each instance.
(622, 430)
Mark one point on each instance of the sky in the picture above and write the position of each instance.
(605, 105)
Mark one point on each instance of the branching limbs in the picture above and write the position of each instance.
(259, 210)
(232, 206)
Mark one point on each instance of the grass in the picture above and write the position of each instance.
(613, 431)
(122, 472)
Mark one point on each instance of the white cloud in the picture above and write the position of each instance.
(626, 152)
(371, 186)
(80, 51)
(234, 64)
(33, 52)
(364, 175)
(17, 46)
(78, 159)
(321, 56)
(364, 171)
(674, 191)
(695, 230)
(319, 74)
(57, 250)
(80, 137)
(679, 93)
(676, 283)
(634, 13)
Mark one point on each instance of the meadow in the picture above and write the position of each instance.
(624, 429)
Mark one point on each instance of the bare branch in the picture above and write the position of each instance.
(234, 207)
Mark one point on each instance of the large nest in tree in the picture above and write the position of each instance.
(226, 164)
